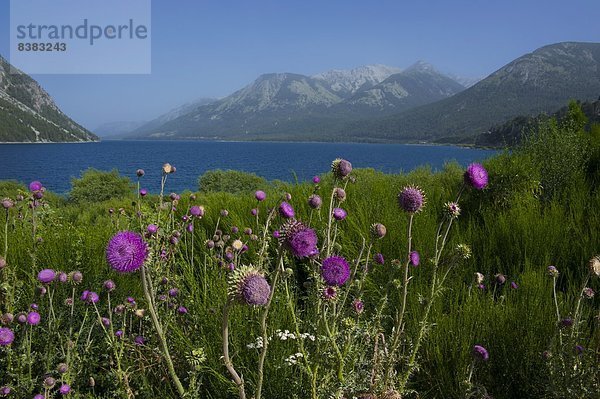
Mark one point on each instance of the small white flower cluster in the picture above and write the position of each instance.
(286, 334)
(293, 359)
(282, 335)
(256, 344)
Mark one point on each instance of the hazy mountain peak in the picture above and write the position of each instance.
(348, 81)
(421, 66)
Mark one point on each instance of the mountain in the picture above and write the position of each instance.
(270, 102)
(419, 84)
(170, 115)
(288, 106)
(345, 83)
(28, 113)
(542, 81)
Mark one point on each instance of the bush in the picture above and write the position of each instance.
(95, 186)
(230, 181)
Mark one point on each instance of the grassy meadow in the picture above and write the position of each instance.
(540, 208)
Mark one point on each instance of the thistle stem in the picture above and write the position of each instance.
(228, 363)
(263, 327)
(161, 335)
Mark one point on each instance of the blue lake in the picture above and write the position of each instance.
(55, 164)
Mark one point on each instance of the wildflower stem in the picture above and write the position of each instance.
(338, 353)
(228, 363)
(577, 308)
(263, 327)
(312, 374)
(400, 317)
(329, 221)
(159, 331)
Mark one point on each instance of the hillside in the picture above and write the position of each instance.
(542, 81)
(28, 113)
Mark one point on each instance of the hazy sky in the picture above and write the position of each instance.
(211, 48)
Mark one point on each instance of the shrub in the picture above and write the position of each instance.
(230, 181)
(95, 186)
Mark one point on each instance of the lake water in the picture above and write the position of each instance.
(55, 164)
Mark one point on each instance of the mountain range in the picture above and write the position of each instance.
(373, 103)
(378, 103)
(28, 114)
(282, 104)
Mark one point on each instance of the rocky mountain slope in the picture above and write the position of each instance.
(542, 81)
(28, 113)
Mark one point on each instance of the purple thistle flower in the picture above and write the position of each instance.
(119, 333)
(64, 389)
(126, 251)
(480, 353)
(579, 350)
(314, 201)
(84, 295)
(143, 192)
(109, 285)
(152, 228)
(341, 168)
(339, 214)
(22, 318)
(76, 277)
(62, 368)
(182, 310)
(379, 259)
(35, 186)
(286, 210)
(260, 195)
(7, 203)
(566, 322)
(38, 396)
(500, 279)
(224, 213)
(300, 240)
(197, 211)
(255, 290)
(235, 230)
(276, 234)
(130, 300)
(254, 211)
(476, 176)
(514, 285)
(105, 321)
(33, 318)
(316, 179)
(62, 277)
(5, 391)
(378, 230)
(6, 336)
(34, 306)
(339, 194)
(552, 271)
(588, 293)
(46, 276)
(481, 287)
(335, 270)
(329, 293)
(139, 340)
(414, 258)
(358, 306)
(173, 292)
(411, 199)
(140, 172)
(189, 228)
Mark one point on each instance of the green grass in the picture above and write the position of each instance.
(512, 227)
